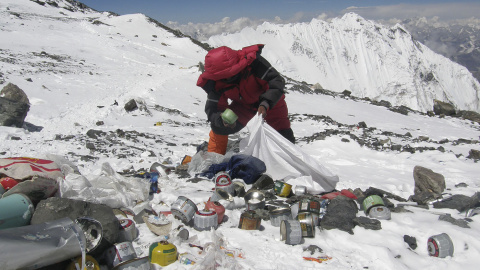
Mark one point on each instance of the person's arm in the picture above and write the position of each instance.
(263, 70)
(211, 105)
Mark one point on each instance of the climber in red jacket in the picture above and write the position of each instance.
(246, 83)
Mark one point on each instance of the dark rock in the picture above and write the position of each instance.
(444, 108)
(340, 214)
(362, 125)
(411, 241)
(460, 185)
(313, 249)
(427, 180)
(90, 146)
(264, 182)
(424, 197)
(55, 208)
(131, 105)
(95, 134)
(14, 93)
(458, 222)
(368, 223)
(382, 193)
(474, 154)
(14, 106)
(459, 202)
(469, 115)
(346, 93)
(99, 123)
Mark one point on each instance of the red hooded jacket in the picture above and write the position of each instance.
(255, 82)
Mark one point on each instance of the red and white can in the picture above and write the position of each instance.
(128, 231)
(119, 253)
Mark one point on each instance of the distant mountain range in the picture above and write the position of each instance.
(458, 41)
(364, 57)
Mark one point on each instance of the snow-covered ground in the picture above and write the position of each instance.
(78, 68)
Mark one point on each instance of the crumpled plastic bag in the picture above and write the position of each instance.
(285, 160)
(202, 161)
(108, 187)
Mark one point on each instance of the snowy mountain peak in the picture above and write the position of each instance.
(364, 57)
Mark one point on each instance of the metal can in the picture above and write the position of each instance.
(255, 199)
(134, 264)
(249, 220)
(380, 212)
(184, 209)
(440, 245)
(205, 220)
(224, 181)
(279, 214)
(238, 187)
(307, 223)
(291, 232)
(309, 205)
(282, 189)
(16, 210)
(162, 253)
(300, 190)
(128, 231)
(371, 201)
(220, 194)
(90, 263)
(218, 208)
(119, 253)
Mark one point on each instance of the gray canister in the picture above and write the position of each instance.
(36, 246)
(291, 232)
(440, 246)
(279, 214)
(380, 212)
(184, 209)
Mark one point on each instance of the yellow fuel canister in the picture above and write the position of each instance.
(90, 263)
(162, 253)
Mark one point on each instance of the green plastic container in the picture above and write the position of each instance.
(229, 116)
(16, 210)
(371, 201)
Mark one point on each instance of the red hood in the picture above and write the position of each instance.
(223, 62)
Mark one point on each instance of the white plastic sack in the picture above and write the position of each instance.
(283, 159)
(109, 188)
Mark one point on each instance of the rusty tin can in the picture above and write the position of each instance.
(309, 205)
(249, 220)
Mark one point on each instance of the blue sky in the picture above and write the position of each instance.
(210, 11)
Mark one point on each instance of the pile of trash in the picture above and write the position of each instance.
(52, 217)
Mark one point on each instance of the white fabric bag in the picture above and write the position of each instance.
(285, 160)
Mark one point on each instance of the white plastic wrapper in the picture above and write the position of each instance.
(283, 159)
(109, 188)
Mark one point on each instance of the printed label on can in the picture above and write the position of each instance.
(307, 223)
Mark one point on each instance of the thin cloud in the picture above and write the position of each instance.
(388, 14)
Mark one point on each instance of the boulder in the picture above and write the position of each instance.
(443, 108)
(55, 208)
(427, 180)
(14, 106)
(341, 211)
(459, 201)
